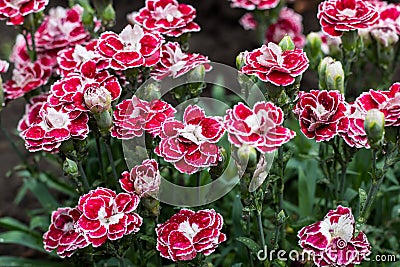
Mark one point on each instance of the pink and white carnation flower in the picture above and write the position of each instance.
(270, 64)
(289, 23)
(321, 114)
(248, 21)
(45, 129)
(69, 92)
(191, 145)
(4, 66)
(81, 58)
(255, 4)
(62, 28)
(133, 47)
(107, 215)
(64, 235)
(188, 233)
(27, 77)
(15, 11)
(134, 116)
(167, 17)
(338, 16)
(143, 180)
(260, 127)
(175, 63)
(331, 242)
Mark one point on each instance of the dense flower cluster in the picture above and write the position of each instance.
(255, 4)
(322, 114)
(191, 145)
(167, 17)
(338, 16)
(332, 241)
(188, 233)
(174, 63)
(259, 127)
(144, 179)
(15, 11)
(270, 64)
(289, 23)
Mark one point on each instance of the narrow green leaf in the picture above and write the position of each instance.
(21, 238)
(13, 224)
(56, 184)
(22, 262)
(41, 222)
(237, 217)
(363, 197)
(250, 243)
(42, 194)
(237, 264)
(148, 239)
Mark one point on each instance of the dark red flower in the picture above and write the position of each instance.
(254, 4)
(187, 233)
(322, 114)
(107, 215)
(15, 11)
(331, 242)
(27, 77)
(259, 127)
(175, 63)
(191, 145)
(63, 233)
(338, 16)
(48, 128)
(167, 17)
(270, 64)
(133, 47)
(144, 179)
(289, 23)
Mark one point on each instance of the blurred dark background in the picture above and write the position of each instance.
(221, 38)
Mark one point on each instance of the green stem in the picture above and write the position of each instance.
(248, 235)
(83, 176)
(32, 31)
(260, 229)
(111, 160)
(100, 155)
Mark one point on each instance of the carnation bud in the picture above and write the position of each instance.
(108, 14)
(322, 71)
(247, 156)
(281, 217)
(150, 92)
(104, 121)
(70, 168)
(286, 43)
(374, 126)
(218, 170)
(313, 48)
(350, 40)
(240, 60)
(97, 99)
(195, 78)
(334, 75)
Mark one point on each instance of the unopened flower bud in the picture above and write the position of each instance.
(97, 99)
(313, 43)
(334, 76)
(150, 91)
(216, 171)
(247, 156)
(286, 43)
(196, 78)
(374, 126)
(322, 71)
(281, 217)
(349, 40)
(70, 168)
(108, 14)
(240, 60)
(104, 121)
